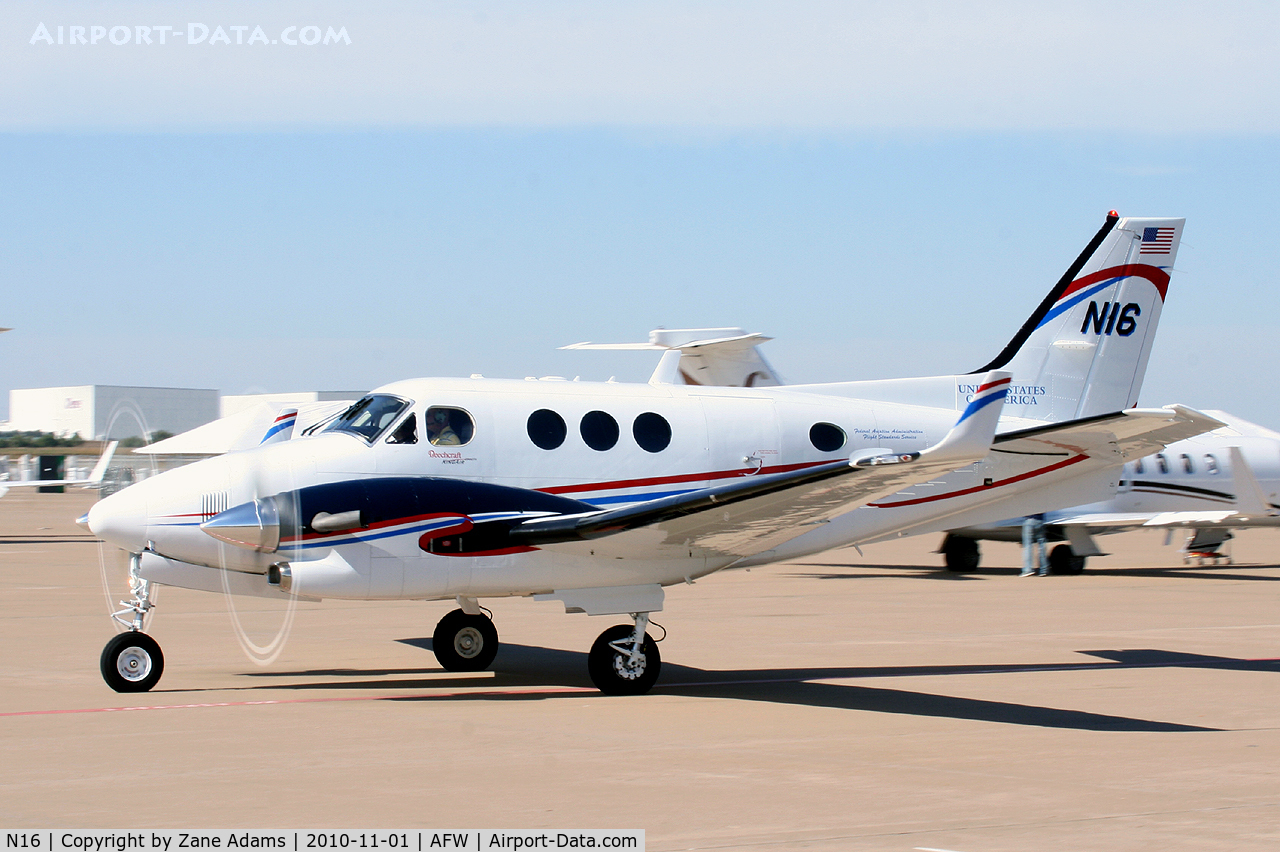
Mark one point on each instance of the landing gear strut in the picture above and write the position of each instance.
(133, 662)
(464, 642)
(625, 660)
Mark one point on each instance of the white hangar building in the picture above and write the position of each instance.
(98, 412)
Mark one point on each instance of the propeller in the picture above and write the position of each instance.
(255, 524)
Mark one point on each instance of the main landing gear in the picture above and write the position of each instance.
(960, 554)
(623, 661)
(1064, 560)
(465, 642)
(132, 661)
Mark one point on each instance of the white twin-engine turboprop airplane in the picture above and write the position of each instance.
(598, 495)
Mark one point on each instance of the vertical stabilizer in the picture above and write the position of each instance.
(1084, 351)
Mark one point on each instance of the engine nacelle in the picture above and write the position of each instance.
(364, 578)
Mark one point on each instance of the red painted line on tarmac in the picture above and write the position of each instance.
(417, 696)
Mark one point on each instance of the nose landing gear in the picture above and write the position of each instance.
(132, 661)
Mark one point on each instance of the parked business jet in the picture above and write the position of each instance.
(1212, 484)
(94, 478)
(600, 495)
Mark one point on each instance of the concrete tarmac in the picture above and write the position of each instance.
(831, 703)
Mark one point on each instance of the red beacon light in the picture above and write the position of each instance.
(1113, 213)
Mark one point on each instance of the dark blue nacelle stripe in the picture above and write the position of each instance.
(387, 500)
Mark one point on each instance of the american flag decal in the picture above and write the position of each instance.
(1156, 240)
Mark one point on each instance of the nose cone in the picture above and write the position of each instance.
(255, 526)
(120, 519)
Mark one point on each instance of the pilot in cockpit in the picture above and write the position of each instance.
(439, 432)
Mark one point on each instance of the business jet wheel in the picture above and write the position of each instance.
(960, 554)
(1063, 560)
(612, 669)
(132, 662)
(465, 643)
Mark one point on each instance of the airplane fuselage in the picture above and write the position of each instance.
(600, 444)
(603, 444)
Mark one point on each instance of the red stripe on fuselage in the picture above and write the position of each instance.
(671, 480)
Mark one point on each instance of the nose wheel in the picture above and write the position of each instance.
(625, 660)
(132, 662)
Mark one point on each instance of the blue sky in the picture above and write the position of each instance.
(465, 187)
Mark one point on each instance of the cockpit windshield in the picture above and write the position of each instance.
(369, 417)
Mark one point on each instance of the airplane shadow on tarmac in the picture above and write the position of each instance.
(525, 668)
(922, 572)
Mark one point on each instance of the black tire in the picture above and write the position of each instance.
(1063, 560)
(132, 662)
(465, 643)
(609, 670)
(960, 554)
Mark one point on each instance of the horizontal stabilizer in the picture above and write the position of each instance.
(1123, 435)
(721, 357)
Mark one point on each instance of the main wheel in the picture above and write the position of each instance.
(465, 643)
(132, 662)
(960, 554)
(1063, 560)
(614, 673)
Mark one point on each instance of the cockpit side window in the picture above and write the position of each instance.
(449, 427)
(406, 432)
(370, 416)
